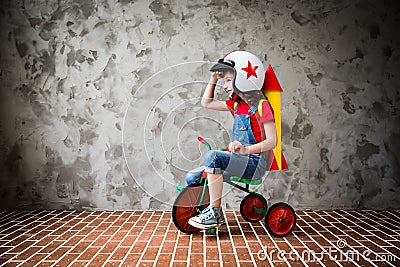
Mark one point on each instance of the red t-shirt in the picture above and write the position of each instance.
(267, 114)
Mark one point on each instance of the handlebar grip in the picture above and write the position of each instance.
(203, 141)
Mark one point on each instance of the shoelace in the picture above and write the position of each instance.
(208, 213)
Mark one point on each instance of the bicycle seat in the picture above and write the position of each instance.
(239, 179)
(245, 181)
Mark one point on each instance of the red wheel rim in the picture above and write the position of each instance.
(186, 207)
(281, 220)
(249, 204)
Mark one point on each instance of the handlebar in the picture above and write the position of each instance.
(203, 141)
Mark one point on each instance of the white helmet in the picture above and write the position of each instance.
(248, 70)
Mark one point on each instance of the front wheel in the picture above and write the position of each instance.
(280, 220)
(187, 206)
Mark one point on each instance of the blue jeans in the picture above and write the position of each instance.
(229, 164)
(194, 176)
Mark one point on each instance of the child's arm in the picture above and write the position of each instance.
(268, 144)
(208, 100)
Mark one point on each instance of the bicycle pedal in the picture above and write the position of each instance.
(212, 230)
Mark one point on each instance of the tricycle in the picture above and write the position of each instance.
(280, 218)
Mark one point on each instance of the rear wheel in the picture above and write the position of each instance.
(280, 220)
(253, 207)
(186, 206)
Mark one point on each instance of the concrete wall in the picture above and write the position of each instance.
(100, 100)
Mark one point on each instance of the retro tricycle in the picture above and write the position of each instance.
(280, 218)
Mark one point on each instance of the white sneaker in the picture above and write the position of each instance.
(210, 217)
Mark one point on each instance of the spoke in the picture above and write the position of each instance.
(188, 226)
(283, 213)
(273, 221)
(183, 211)
(192, 196)
(276, 228)
(257, 203)
(289, 219)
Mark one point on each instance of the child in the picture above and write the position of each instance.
(253, 133)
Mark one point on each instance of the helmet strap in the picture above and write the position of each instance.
(234, 97)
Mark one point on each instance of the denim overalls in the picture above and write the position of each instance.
(242, 131)
(252, 166)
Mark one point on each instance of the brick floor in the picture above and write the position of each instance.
(149, 238)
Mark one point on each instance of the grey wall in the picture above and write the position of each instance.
(100, 99)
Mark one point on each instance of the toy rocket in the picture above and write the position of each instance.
(272, 90)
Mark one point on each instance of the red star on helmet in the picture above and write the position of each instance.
(250, 69)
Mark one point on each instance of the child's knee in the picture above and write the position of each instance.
(212, 162)
(210, 158)
(194, 176)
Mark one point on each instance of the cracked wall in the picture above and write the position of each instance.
(71, 74)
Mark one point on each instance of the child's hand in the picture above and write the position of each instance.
(236, 146)
(216, 75)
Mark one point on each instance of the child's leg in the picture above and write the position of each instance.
(212, 216)
(215, 162)
(194, 176)
(215, 184)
